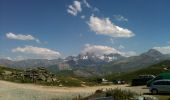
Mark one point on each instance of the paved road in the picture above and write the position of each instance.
(16, 91)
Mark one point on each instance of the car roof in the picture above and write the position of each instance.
(162, 80)
(165, 73)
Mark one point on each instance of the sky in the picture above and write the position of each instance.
(51, 29)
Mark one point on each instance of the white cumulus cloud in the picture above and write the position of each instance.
(164, 50)
(129, 53)
(105, 27)
(121, 47)
(100, 50)
(120, 18)
(21, 37)
(40, 52)
(87, 4)
(82, 17)
(95, 9)
(75, 8)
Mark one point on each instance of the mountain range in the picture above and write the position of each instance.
(92, 65)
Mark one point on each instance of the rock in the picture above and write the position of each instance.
(49, 79)
(54, 79)
(7, 73)
(42, 77)
(60, 85)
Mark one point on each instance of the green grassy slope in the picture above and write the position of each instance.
(3, 69)
(153, 69)
(64, 78)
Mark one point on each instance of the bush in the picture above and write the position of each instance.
(78, 98)
(119, 94)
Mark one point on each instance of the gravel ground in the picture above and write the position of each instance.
(16, 91)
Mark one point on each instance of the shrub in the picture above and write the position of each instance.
(119, 94)
(77, 98)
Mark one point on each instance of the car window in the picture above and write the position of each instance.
(168, 82)
(158, 77)
(160, 83)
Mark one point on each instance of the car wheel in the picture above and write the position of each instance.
(154, 91)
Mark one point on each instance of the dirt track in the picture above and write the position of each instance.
(16, 91)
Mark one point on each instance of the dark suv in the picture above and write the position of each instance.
(142, 80)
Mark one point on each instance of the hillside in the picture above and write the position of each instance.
(92, 64)
(135, 62)
(154, 69)
(70, 77)
(6, 70)
(39, 75)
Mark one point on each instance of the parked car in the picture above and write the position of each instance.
(119, 82)
(160, 86)
(147, 76)
(159, 77)
(142, 80)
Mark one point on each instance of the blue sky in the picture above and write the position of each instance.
(59, 28)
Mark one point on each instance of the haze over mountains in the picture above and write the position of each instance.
(89, 63)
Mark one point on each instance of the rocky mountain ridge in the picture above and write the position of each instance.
(93, 64)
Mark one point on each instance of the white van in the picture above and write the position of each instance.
(160, 86)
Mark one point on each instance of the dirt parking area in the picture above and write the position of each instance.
(16, 91)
